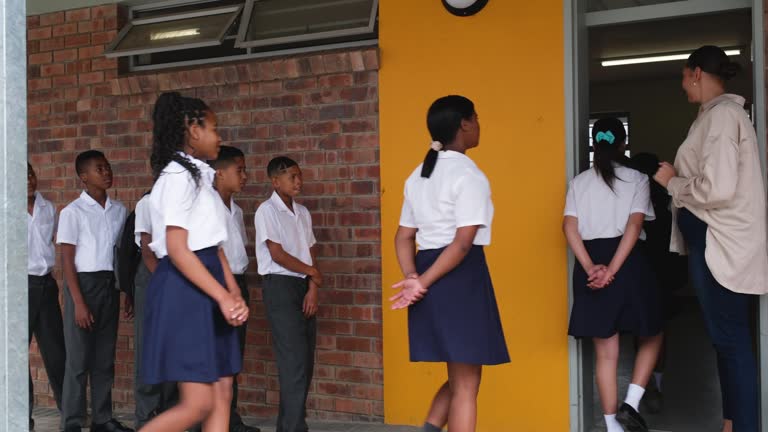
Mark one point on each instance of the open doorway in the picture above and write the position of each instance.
(650, 98)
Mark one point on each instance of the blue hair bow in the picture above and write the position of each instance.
(605, 136)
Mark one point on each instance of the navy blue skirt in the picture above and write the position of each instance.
(186, 338)
(458, 320)
(630, 304)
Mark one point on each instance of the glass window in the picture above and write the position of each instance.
(196, 29)
(281, 22)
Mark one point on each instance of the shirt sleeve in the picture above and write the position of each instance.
(641, 201)
(142, 221)
(178, 193)
(310, 232)
(68, 229)
(266, 226)
(241, 226)
(473, 201)
(719, 164)
(570, 202)
(407, 218)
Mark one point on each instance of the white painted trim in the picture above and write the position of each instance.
(663, 11)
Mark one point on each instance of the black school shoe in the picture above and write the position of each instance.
(111, 426)
(242, 427)
(630, 419)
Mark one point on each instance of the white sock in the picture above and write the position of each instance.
(657, 376)
(634, 394)
(613, 424)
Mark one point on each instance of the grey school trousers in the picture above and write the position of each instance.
(45, 324)
(90, 352)
(293, 339)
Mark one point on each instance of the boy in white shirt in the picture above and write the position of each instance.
(285, 251)
(88, 232)
(230, 179)
(44, 310)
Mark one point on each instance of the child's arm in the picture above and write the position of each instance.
(229, 277)
(83, 317)
(291, 263)
(576, 243)
(405, 248)
(309, 307)
(149, 258)
(190, 266)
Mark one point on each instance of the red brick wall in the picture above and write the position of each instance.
(321, 109)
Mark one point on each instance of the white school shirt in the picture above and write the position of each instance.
(603, 213)
(142, 223)
(291, 229)
(93, 230)
(40, 227)
(176, 201)
(234, 246)
(456, 195)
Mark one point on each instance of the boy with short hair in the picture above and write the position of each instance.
(285, 251)
(88, 231)
(230, 179)
(44, 311)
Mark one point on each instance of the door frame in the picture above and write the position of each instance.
(576, 21)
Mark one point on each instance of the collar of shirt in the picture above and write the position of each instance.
(205, 170)
(280, 204)
(450, 154)
(722, 98)
(92, 202)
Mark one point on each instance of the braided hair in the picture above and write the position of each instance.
(172, 115)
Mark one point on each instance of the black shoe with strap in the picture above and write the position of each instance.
(111, 426)
(630, 419)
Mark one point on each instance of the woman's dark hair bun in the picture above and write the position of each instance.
(730, 70)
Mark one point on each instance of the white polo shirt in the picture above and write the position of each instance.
(234, 247)
(176, 201)
(602, 212)
(456, 195)
(142, 223)
(93, 230)
(291, 229)
(40, 227)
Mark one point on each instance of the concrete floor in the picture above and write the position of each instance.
(690, 384)
(47, 420)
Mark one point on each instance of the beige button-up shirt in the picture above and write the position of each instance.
(719, 180)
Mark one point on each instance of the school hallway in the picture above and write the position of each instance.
(47, 420)
(690, 385)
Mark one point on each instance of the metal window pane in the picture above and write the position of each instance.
(602, 5)
(276, 22)
(167, 34)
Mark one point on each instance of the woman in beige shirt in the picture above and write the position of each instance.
(719, 220)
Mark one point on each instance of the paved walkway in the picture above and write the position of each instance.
(47, 420)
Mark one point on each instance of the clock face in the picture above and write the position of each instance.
(464, 7)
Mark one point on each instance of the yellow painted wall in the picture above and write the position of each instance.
(509, 60)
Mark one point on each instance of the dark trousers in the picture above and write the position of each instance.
(727, 319)
(151, 400)
(293, 339)
(46, 325)
(242, 282)
(90, 352)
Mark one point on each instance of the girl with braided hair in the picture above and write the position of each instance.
(193, 302)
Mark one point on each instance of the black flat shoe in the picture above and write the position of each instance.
(630, 419)
(111, 426)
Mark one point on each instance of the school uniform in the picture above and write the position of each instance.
(458, 319)
(293, 335)
(631, 303)
(149, 398)
(94, 231)
(45, 321)
(186, 338)
(237, 256)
